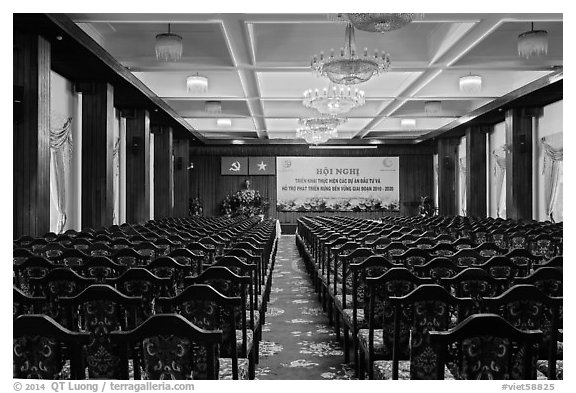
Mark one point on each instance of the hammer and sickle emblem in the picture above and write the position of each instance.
(235, 167)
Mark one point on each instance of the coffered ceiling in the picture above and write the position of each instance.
(258, 66)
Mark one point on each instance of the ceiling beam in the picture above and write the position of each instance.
(288, 18)
(458, 49)
(240, 50)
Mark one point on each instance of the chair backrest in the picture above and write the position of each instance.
(395, 282)
(72, 257)
(99, 310)
(32, 267)
(485, 346)
(128, 257)
(41, 347)
(172, 348)
(547, 279)
(438, 268)
(138, 281)
(100, 268)
(58, 283)
(207, 309)
(428, 307)
(193, 259)
(502, 267)
(22, 303)
(528, 308)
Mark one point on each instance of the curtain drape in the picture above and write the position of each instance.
(463, 176)
(553, 175)
(116, 184)
(61, 146)
(499, 155)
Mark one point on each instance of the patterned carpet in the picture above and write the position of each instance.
(297, 342)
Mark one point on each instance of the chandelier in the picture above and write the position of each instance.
(313, 137)
(471, 84)
(196, 84)
(379, 23)
(350, 68)
(317, 130)
(533, 43)
(334, 100)
(168, 46)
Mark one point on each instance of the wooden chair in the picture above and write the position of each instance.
(353, 314)
(374, 342)
(172, 348)
(98, 310)
(192, 259)
(138, 281)
(232, 285)
(41, 348)
(210, 310)
(59, 283)
(428, 307)
(485, 346)
(438, 268)
(167, 267)
(527, 308)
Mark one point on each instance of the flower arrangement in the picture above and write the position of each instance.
(337, 205)
(195, 207)
(247, 202)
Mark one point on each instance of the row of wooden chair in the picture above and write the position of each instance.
(362, 260)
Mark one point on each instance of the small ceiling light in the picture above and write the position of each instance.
(168, 46)
(432, 107)
(213, 106)
(533, 43)
(224, 123)
(408, 123)
(197, 84)
(471, 84)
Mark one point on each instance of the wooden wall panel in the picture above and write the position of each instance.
(416, 180)
(447, 172)
(31, 135)
(138, 166)
(181, 177)
(519, 164)
(416, 175)
(163, 172)
(97, 149)
(476, 192)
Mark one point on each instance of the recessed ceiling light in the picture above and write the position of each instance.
(224, 123)
(408, 123)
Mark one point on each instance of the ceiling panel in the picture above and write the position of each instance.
(494, 83)
(173, 84)
(449, 108)
(393, 124)
(293, 84)
(295, 108)
(203, 125)
(500, 49)
(196, 108)
(264, 83)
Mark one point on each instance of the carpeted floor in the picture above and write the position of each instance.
(297, 342)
